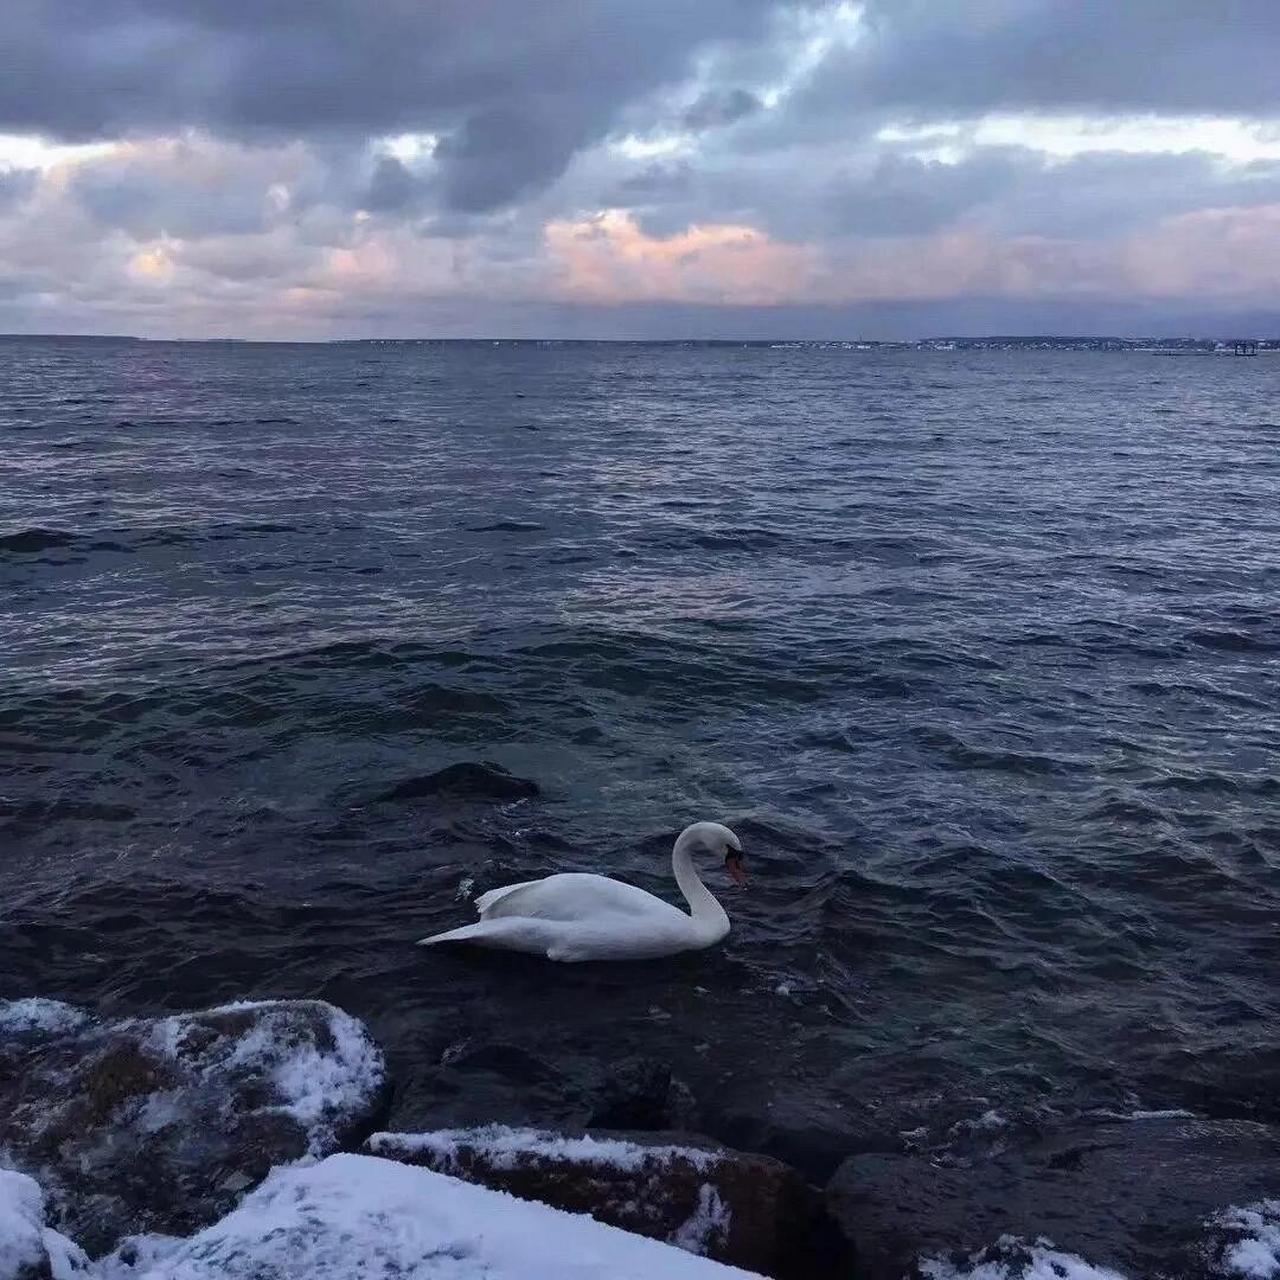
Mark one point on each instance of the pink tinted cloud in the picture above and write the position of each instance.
(609, 259)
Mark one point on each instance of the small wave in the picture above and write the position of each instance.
(65, 811)
(1231, 642)
(507, 526)
(470, 780)
(32, 541)
(1120, 809)
(963, 756)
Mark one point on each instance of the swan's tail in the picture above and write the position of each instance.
(468, 933)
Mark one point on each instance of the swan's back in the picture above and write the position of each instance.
(574, 896)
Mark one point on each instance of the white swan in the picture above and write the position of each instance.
(576, 916)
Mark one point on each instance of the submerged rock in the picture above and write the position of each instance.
(160, 1124)
(355, 1216)
(1140, 1197)
(469, 780)
(642, 1093)
(747, 1210)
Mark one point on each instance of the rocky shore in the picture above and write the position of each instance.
(250, 1140)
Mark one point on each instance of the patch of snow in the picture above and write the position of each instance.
(314, 1083)
(503, 1148)
(1012, 1259)
(136, 1256)
(357, 1216)
(35, 1013)
(21, 1223)
(67, 1260)
(711, 1219)
(1255, 1253)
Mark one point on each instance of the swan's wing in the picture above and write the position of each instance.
(575, 896)
(484, 903)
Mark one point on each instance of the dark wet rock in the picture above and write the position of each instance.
(507, 1060)
(1134, 1196)
(748, 1210)
(158, 1125)
(468, 780)
(643, 1094)
(802, 1131)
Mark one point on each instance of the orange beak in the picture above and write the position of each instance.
(736, 870)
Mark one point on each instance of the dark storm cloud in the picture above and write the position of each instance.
(514, 87)
(393, 187)
(171, 193)
(1115, 56)
(875, 191)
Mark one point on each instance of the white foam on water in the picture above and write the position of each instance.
(35, 1013)
(1255, 1253)
(1014, 1259)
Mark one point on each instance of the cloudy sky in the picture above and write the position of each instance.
(614, 168)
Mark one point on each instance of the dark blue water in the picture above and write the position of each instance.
(978, 653)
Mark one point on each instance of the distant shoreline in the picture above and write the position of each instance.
(989, 342)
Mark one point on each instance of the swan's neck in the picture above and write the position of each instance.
(707, 914)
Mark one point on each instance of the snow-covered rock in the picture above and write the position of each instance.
(22, 1255)
(29, 1250)
(747, 1210)
(358, 1216)
(160, 1124)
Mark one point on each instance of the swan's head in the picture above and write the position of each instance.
(718, 840)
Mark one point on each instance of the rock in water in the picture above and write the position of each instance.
(1142, 1198)
(642, 1093)
(357, 1218)
(158, 1125)
(747, 1210)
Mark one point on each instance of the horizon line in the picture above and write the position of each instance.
(580, 341)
